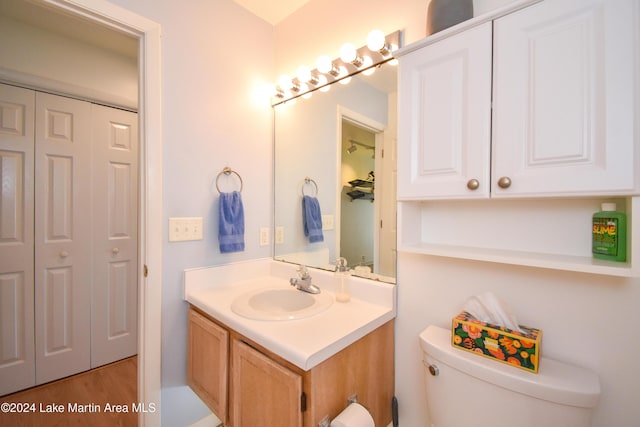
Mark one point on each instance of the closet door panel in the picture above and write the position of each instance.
(63, 236)
(115, 216)
(17, 361)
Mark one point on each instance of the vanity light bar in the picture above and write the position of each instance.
(379, 50)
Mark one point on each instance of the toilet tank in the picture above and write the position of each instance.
(464, 389)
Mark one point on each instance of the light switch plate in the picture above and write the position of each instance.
(185, 228)
(327, 222)
(279, 235)
(264, 236)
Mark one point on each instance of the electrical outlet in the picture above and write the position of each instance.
(185, 228)
(327, 222)
(264, 236)
(279, 235)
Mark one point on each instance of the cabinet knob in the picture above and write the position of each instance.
(115, 251)
(64, 254)
(473, 184)
(504, 182)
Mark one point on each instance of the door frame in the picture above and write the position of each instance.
(376, 128)
(150, 231)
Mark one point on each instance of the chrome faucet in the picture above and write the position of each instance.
(303, 282)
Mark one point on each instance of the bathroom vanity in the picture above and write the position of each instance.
(260, 371)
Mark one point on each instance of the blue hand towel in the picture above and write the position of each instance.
(231, 223)
(312, 219)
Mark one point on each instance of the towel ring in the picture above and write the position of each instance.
(308, 180)
(228, 171)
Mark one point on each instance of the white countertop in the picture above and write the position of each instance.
(303, 342)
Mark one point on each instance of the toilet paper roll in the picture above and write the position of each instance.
(355, 415)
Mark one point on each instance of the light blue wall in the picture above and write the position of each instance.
(214, 55)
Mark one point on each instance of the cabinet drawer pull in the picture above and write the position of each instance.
(115, 251)
(64, 254)
(504, 182)
(473, 184)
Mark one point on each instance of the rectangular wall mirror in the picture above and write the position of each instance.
(338, 146)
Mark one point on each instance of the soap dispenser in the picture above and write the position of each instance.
(609, 234)
(342, 280)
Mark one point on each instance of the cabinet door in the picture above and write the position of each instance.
(445, 118)
(263, 393)
(207, 362)
(17, 360)
(565, 80)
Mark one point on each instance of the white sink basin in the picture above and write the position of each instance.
(280, 304)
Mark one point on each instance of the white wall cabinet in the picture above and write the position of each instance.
(68, 236)
(564, 94)
(564, 80)
(445, 118)
(545, 97)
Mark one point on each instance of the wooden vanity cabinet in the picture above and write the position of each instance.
(266, 390)
(263, 392)
(207, 362)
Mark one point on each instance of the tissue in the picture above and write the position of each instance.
(489, 308)
(355, 415)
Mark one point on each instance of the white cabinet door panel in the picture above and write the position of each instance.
(17, 359)
(564, 86)
(62, 236)
(445, 117)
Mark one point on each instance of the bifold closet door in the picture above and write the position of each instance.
(63, 236)
(17, 357)
(115, 216)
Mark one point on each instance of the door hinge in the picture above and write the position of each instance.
(303, 402)
(145, 270)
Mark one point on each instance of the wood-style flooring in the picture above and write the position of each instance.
(92, 398)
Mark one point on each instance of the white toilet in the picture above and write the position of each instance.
(464, 389)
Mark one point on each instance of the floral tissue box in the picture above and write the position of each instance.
(497, 342)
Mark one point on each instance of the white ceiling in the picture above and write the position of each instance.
(272, 11)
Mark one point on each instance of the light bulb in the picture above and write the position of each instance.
(376, 40)
(322, 80)
(268, 90)
(304, 74)
(348, 52)
(285, 82)
(322, 83)
(324, 64)
(342, 75)
(368, 62)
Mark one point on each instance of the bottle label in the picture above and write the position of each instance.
(605, 236)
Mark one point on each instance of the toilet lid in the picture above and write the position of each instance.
(555, 381)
